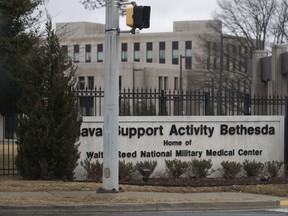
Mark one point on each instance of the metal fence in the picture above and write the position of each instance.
(8, 146)
(172, 103)
(151, 103)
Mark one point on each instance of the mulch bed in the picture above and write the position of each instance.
(206, 182)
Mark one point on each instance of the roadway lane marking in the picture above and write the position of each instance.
(279, 210)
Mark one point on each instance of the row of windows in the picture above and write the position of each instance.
(136, 53)
(76, 53)
(88, 83)
(234, 57)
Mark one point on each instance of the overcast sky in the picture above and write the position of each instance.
(163, 12)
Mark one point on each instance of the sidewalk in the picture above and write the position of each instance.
(138, 201)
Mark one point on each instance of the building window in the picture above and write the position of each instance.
(124, 52)
(215, 56)
(149, 52)
(88, 53)
(120, 83)
(176, 83)
(188, 54)
(228, 57)
(100, 53)
(86, 106)
(208, 55)
(10, 125)
(162, 53)
(65, 53)
(245, 59)
(136, 52)
(175, 53)
(76, 56)
(90, 82)
(81, 83)
(163, 83)
(234, 57)
(160, 83)
(240, 58)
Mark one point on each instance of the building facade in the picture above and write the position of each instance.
(187, 58)
(148, 60)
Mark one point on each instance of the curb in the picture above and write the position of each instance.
(217, 205)
(165, 206)
(283, 203)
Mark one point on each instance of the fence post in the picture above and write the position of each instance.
(162, 105)
(247, 104)
(286, 138)
(207, 103)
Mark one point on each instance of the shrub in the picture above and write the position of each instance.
(230, 168)
(144, 108)
(146, 168)
(94, 170)
(146, 164)
(273, 167)
(125, 170)
(176, 168)
(252, 168)
(201, 168)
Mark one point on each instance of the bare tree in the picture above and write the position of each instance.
(279, 24)
(94, 4)
(222, 66)
(260, 22)
(220, 55)
(246, 26)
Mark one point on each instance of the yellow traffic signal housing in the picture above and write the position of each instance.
(138, 16)
(130, 15)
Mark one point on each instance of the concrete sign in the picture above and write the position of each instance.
(221, 138)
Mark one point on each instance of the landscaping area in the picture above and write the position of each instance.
(180, 177)
(194, 173)
(276, 187)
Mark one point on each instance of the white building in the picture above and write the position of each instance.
(147, 60)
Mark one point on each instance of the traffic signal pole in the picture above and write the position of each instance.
(138, 17)
(111, 99)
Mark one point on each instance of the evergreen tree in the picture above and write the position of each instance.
(16, 38)
(49, 125)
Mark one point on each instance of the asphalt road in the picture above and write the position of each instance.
(55, 212)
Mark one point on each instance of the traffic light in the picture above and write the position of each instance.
(138, 16)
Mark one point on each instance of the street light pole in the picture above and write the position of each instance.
(181, 83)
(181, 75)
(219, 109)
(111, 99)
